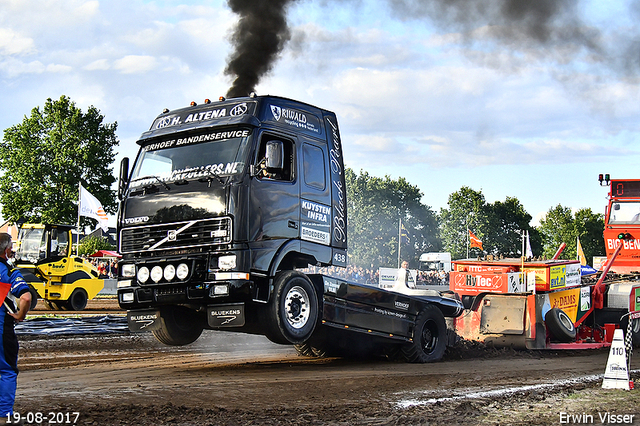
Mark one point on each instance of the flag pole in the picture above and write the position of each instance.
(78, 223)
(399, 239)
(468, 242)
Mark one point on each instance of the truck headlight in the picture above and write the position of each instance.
(169, 272)
(124, 283)
(129, 270)
(182, 272)
(156, 274)
(227, 262)
(127, 297)
(143, 274)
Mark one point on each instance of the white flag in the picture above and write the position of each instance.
(529, 253)
(90, 206)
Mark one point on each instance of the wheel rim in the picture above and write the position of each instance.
(566, 321)
(297, 307)
(429, 336)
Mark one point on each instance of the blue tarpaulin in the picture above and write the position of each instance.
(104, 324)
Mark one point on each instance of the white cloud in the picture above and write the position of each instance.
(135, 64)
(12, 43)
(98, 65)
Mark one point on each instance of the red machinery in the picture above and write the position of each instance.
(622, 224)
(547, 304)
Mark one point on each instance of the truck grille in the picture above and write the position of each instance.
(194, 233)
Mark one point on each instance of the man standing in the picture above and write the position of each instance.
(14, 309)
(404, 275)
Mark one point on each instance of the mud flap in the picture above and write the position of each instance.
(231, 315)
(143, 320)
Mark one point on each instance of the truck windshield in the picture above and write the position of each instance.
(213, 154)
(32, 247)
(625, 213)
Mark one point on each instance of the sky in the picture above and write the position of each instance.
(532, 106)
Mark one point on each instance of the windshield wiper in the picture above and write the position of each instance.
(210, 175)
(150, 185)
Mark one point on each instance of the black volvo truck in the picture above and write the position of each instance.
(223, 205)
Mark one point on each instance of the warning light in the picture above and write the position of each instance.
(166, 110)
(604, 178)
(625, 236)
(207, 101)
(193, 103)
(222, 99)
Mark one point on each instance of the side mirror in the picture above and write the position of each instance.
(275, 156)
(124, 177)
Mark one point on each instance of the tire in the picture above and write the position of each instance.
(429, 337)
(560, 326)
(78, 300)
(34, 297)
(179, 326)
(292, 313)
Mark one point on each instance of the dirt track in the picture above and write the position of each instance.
(235, 379)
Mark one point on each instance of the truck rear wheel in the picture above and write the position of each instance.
(429, 337)
(560, 325)
(178, 326)
(292, 313)
(78, 300)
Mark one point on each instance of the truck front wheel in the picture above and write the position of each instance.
(429, 337)
(292, 313)
(178, 326)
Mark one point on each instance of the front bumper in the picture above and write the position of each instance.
(206, 293)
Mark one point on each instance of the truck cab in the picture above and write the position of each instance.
(223, 201)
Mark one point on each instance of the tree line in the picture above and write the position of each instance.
(377, 205)
(44, 158)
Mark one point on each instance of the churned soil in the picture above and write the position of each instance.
(235, 379)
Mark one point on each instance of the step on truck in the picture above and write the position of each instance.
(224, 204)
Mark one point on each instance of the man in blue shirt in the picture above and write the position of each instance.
(13, 309)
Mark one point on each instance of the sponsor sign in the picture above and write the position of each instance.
(613, 243)
(389, 278)
(315, 221)
(215, 112)
(143, 320)
(472, 283)
(331, 285)
(295, 118)
(315, 235)
(205, 137)
(231, 315)
(558, 276)
(389, 313)
(634, 300)
(573, 275)
(567, 300)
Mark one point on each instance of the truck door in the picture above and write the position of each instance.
(275, 197)
(315, 195)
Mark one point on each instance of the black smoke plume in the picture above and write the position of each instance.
(537, 28)
(258, 39)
